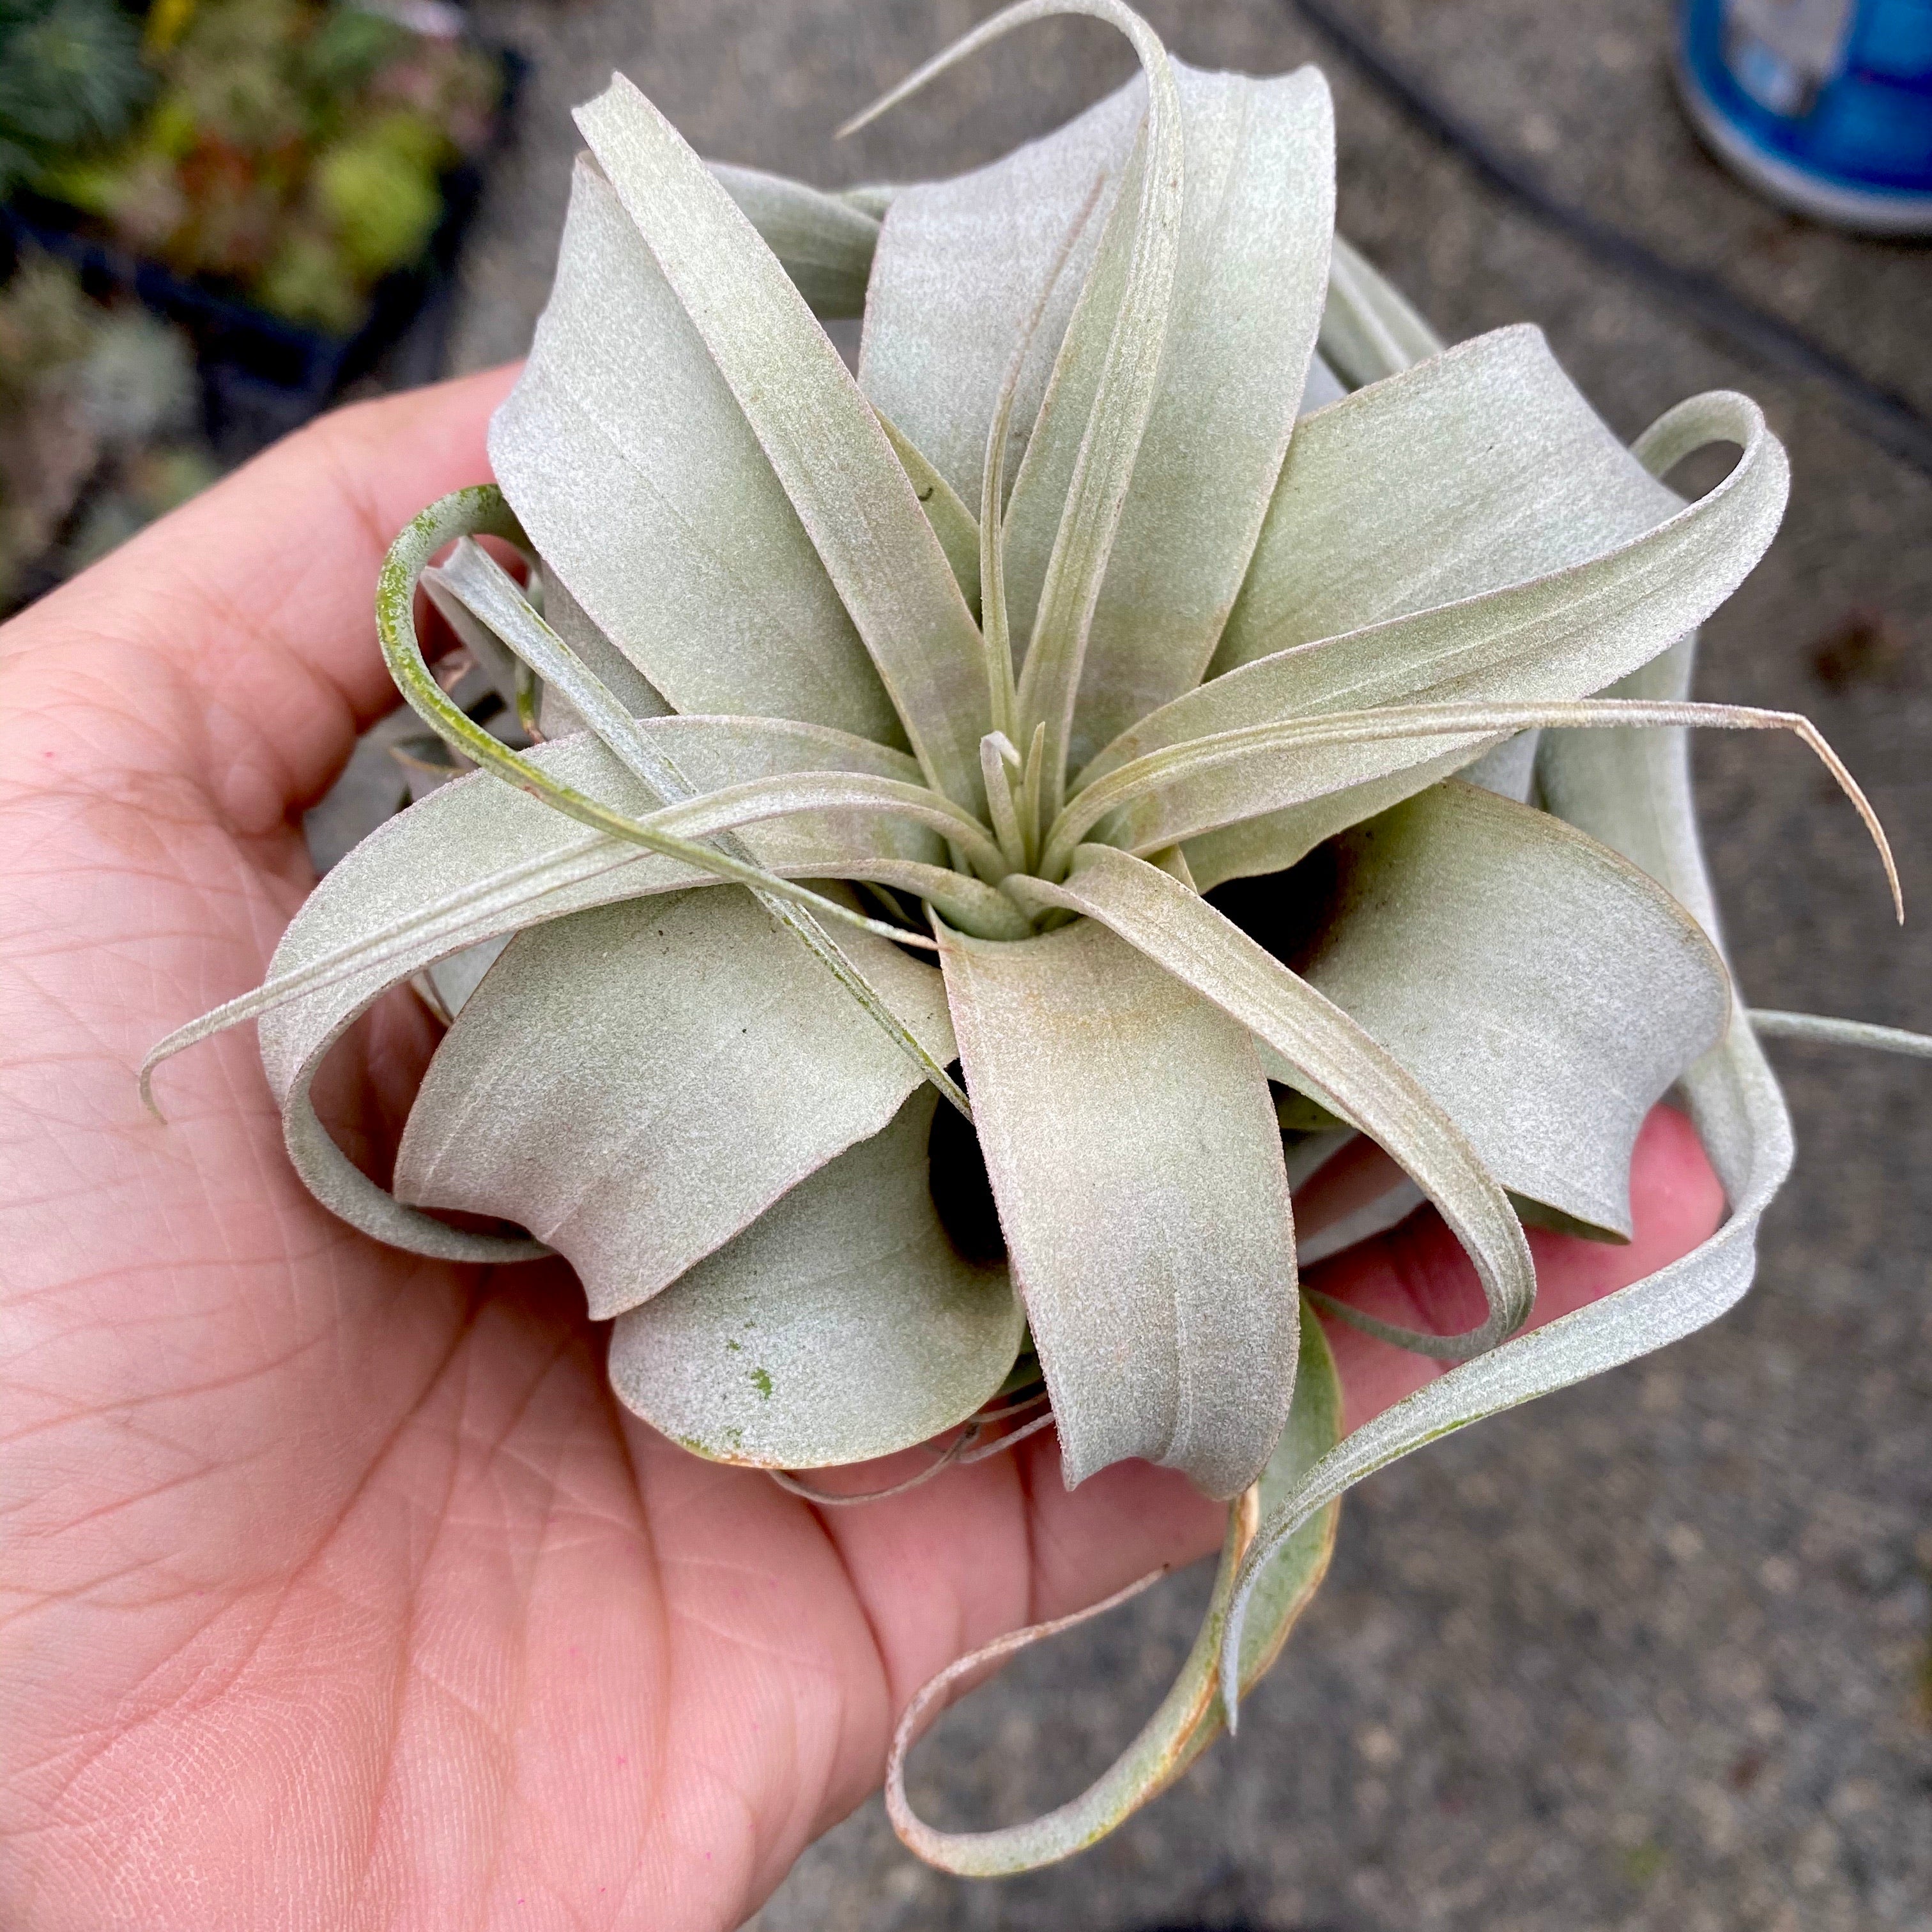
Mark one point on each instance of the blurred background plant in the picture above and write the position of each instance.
(291, 149)
(99, 424)
(282, 182)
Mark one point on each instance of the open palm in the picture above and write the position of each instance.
(335, 1588)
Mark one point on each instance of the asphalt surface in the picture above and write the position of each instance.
(1657, 1653)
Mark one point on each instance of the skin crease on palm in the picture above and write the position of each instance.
(336, 1589)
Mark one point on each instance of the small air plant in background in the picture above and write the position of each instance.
(1159, 565)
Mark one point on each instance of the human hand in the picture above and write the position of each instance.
(339, 1592)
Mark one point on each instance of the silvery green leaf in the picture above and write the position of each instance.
(1630, 790)
(821, 439)
(574, 625)
(485, 650)
(490, 594)
(1251, 264)
(1334, 1058)
(476, 859)
(630, 464)
(1557, 636)
(1072, 491)
(1170, 795)
(636, 1083)
(1137, 1166)
(840, 1326)
(1770, 1024)
(1480, 469)
(961, 266)
(1543, 988)
(1368, 331)
(1189, 1718)
(955, 526)
(759, 800)
(823, 243)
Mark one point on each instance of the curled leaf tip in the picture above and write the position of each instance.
(145, 1081)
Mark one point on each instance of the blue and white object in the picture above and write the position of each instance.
(1826, 105)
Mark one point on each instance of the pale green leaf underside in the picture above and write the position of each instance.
(841, 1326)
(1188, 1717)
(1137, 1165)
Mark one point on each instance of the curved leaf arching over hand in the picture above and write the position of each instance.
(1189, 1717)
(1632, 791)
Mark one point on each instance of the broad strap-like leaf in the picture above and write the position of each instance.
(1368, 331)
(476, 859)
(821, 439)
(1546, 991)
(1062, 526)
(578, 629)
(823, 242)
(1135, 1161)
(1481, 468)
(1334, 1059)
(1632, 791)
(1557, 636)
(840, 1326)
(636, 1083)
(963, 264)
(1251, 265)
(1188, 1717)
(629, 462)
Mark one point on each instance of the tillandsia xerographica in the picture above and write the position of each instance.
(1167, 712)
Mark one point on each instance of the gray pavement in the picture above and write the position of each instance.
(1655, 1654)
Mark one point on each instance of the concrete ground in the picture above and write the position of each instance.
(1655, 1654)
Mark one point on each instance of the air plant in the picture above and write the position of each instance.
(1157, 546)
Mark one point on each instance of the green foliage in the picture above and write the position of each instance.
(293, 147)
(379, 198)
(70, 76)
